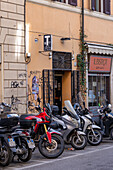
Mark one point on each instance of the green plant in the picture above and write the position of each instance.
(82, 65)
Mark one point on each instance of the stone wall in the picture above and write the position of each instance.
(13, 65)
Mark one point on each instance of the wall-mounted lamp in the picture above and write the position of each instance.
(64, 39)
(50, 55)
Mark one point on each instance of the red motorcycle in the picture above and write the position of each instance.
(49, 141)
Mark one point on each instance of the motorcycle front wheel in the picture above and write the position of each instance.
(52, 150)
(28, 152)
(94, 139)
(5, 154)
(79, 142)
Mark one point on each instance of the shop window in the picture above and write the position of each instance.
(98, 91)
(101, 6)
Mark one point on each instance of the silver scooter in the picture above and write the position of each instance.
(93, 132)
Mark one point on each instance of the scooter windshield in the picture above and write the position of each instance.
(70, 108)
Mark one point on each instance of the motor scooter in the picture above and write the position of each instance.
(106, 120)
(18, 139)
(93, 132)
(69, 125)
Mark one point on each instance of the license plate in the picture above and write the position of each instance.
(11, 142)
(31, 143)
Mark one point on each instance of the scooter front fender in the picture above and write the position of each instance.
(81, 133)
(95, 127)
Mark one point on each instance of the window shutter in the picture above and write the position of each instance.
(107, 6)
(93, 5)
(72, 2)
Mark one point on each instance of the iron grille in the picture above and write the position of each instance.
(62, 61)
(48, 84)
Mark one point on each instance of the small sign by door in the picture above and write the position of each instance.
(47, 42)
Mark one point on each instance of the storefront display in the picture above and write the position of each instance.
(99, 80)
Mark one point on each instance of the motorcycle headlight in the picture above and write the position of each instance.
(38, 119)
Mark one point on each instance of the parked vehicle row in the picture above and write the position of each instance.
(20, 135)
(49, 131)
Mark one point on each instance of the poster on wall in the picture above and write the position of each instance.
(35, 86)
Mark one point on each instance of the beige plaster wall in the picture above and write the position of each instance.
(61, 23)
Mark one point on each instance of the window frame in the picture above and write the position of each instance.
(104, 6)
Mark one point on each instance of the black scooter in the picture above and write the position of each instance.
(106, 121)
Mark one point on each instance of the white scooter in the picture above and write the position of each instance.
(93, 132)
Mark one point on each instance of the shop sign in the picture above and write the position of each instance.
(47, 42)
(100, 64)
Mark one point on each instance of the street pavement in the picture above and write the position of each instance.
(91, 158)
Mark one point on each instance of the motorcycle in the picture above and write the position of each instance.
(6, 146)
(93, 132)
(49, 142)
(20, 138)
(69, 125)
(7, 142)
(24, 144)
(106, 120)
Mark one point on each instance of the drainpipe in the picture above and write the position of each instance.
(25, 55)
(2, 71)
(83, 33)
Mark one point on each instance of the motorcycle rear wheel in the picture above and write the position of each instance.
(27, 156)
(94, 140)
(6, 155)
(52, 150)
(79, 144)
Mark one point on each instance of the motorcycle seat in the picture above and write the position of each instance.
(4, 130)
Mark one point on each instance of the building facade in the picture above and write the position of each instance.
(53, 32)
(52, 36)
(12, 50)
